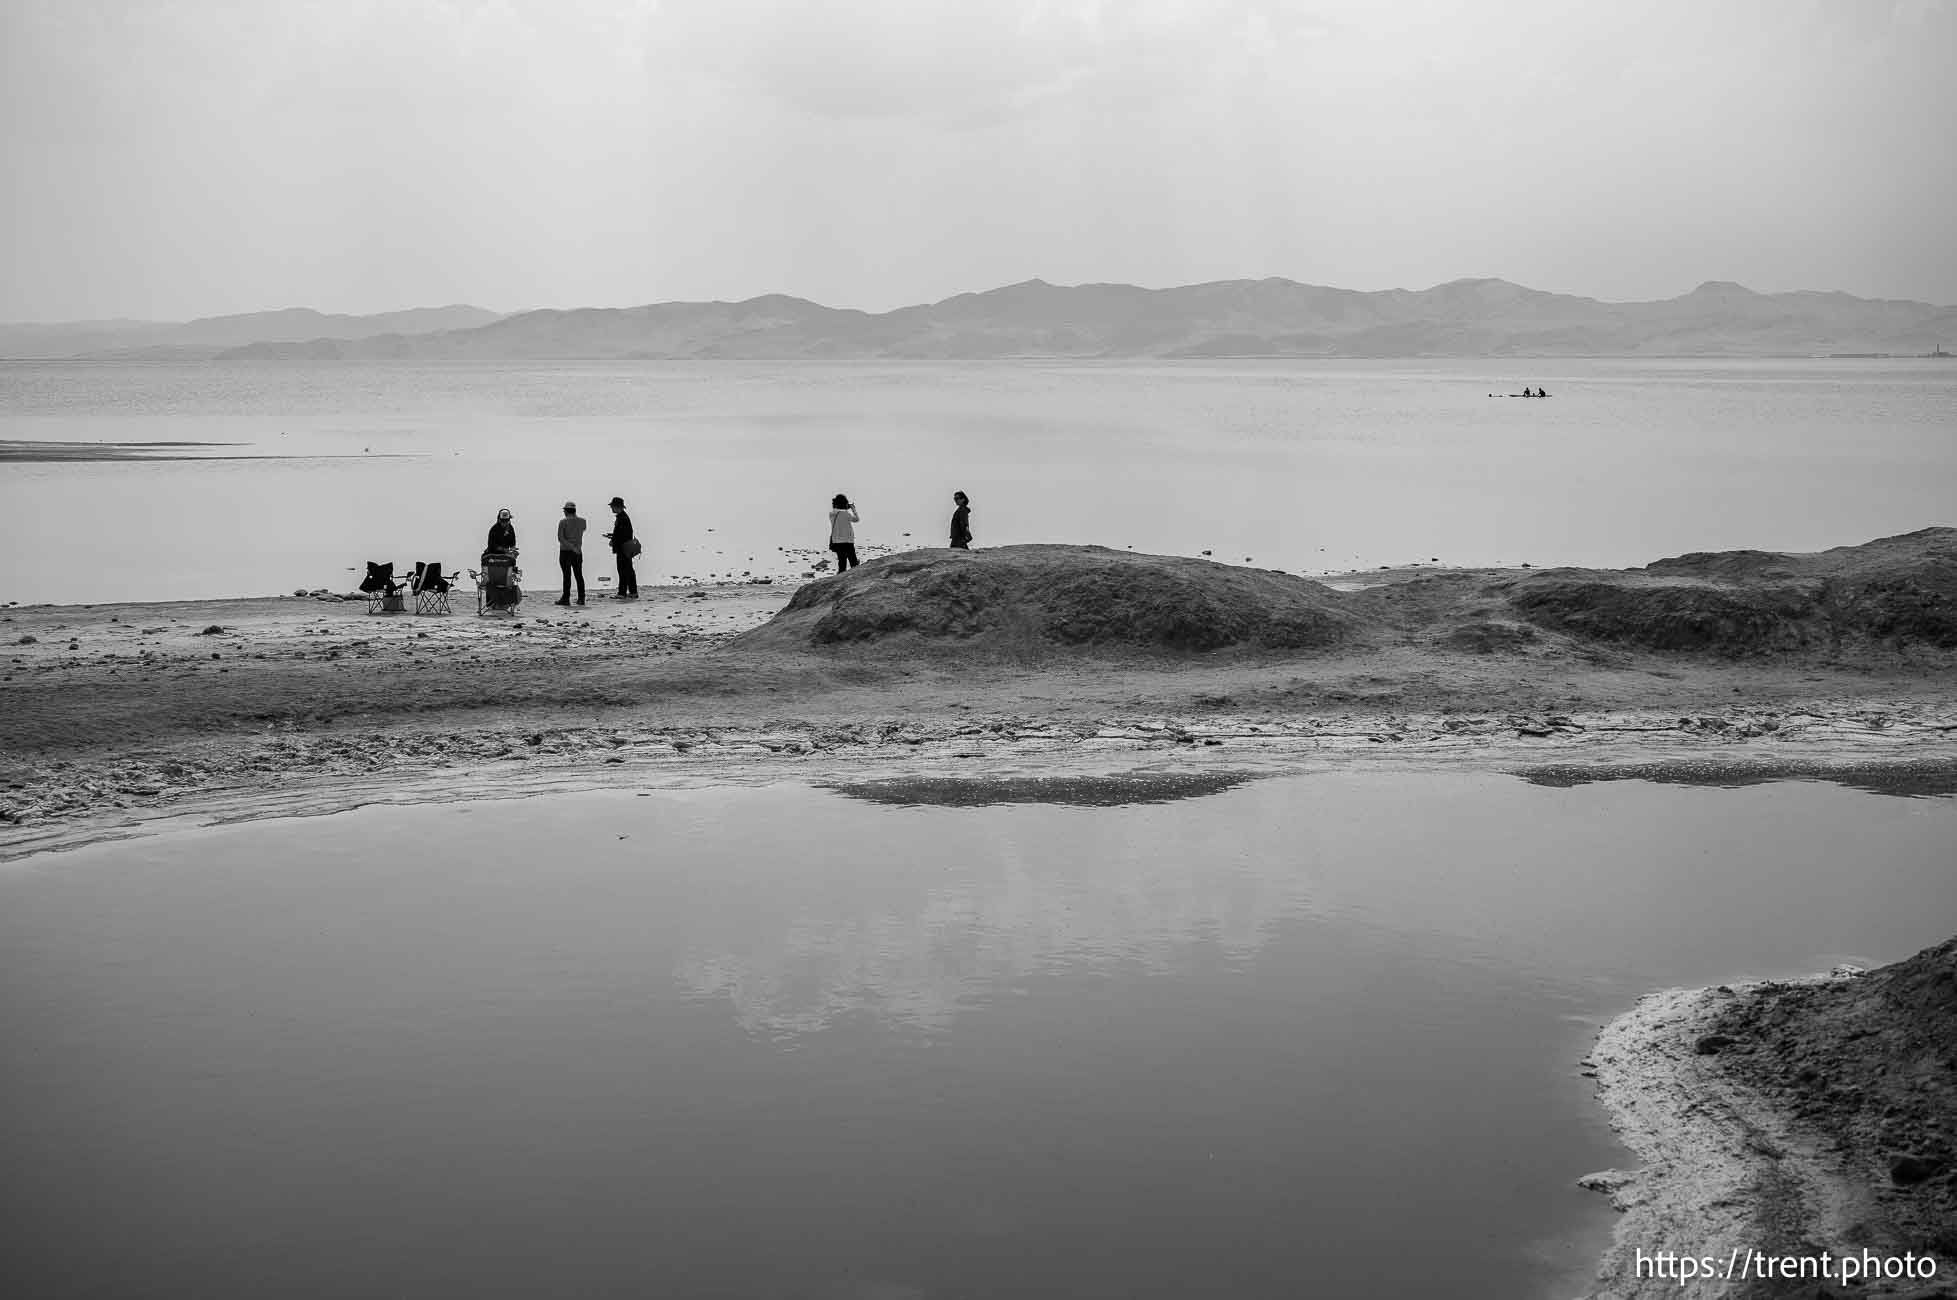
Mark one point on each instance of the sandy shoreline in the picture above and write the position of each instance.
(122, 719)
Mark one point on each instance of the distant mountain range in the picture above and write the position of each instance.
(211, 336)
(1229, 318)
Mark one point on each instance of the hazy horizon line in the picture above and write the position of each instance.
(963, 293)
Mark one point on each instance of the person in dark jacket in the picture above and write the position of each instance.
(623, 547)
(502, 534)
(961, 522)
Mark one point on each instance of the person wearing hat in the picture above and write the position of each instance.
(502, 534)
(570, 551)
(624, 548)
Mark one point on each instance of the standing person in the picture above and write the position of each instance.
(961, 522)
(842, 533)
(624, 546)
(570, 551)
(502, 534)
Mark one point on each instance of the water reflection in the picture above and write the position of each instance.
(982, 903)
(1114, 791)
(934, 910)
(1914, 780)
(1234, 1047)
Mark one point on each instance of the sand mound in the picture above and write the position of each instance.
(1896, 592)
(1675, 616)
(1890, 595)
(1020, 599)
(1486, 636)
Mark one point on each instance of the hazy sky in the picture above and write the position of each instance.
(173, 158)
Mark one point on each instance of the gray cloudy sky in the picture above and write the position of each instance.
(172, 158)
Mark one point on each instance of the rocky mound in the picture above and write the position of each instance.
(1896, 593)
(1018, 600)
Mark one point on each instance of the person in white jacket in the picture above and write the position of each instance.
(842, 533)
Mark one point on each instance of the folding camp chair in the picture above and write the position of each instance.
(497, 591)
(384, 590)
(431, 588)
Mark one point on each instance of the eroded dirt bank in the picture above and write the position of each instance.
(1792, 1118)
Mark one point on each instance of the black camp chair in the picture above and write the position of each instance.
(497, 591)
(431, 588)
(384, 590)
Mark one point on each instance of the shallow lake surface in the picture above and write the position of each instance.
(1307, 466)
(1299, 1035)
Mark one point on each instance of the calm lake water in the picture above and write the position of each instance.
(1309, 466)
(1305, 1035)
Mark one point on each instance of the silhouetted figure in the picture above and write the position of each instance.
(502, 534)
(842, 533)
(961, 522)
(570, 551)
(624, 547)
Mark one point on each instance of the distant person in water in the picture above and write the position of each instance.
(502, 534)
(842, 533)
(624, 547)
(961, 522)
(570, 551)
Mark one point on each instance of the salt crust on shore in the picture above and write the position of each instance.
(1722, 1169)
